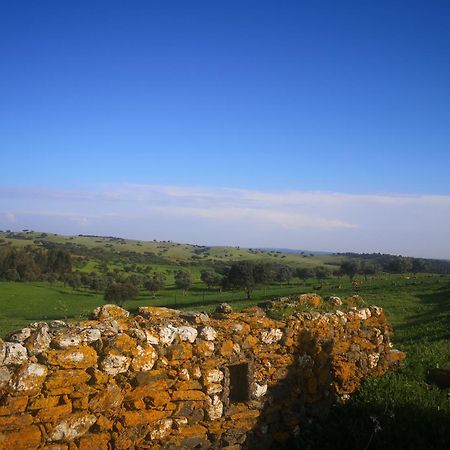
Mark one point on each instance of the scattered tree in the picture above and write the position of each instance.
(155, 283)
(183, 280)
(119, 293)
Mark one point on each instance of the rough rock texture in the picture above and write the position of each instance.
(170, 379)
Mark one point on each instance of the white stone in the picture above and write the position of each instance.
(69, 339)
(335, 301)
(236, 348)
(184, 375)
(163, 429)
(151, 337)
(115, 364)
(90, 335)
(144, 359)
(214, 388)
(21, 335)
(196, 372)
(187, 333)
(138, 334)
(373, 360)
(39, 341)
(58, 324)
(213, 376)
(72, 428)
(167, 334)
(376, 310)
(15, 353)
(260, 390)
(31, 377)
(208, 333)
(271, 336)
(214, 407)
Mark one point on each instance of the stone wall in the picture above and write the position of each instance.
(170, 379)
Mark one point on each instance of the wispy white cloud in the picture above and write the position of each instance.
(407, 224)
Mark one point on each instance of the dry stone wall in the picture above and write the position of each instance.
(170, 379)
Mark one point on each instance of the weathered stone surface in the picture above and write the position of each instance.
(188, 395)
(214, 407)
(40, 339)
(20, 439)
(109, 398)
(208, 333)
(183, 380)
(29, 378)
(53, 413)
(144, 358)
(113, 364)
(15, 353)
(136, 418)
(94, 442)
(108, 312)
(271, 336)
(72, 427)
(5, 377)
(64, 378)
(187, 333)
(20, 335)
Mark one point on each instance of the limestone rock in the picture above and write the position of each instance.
(271, 336)
(72, 427)
(30, 378)
(15, 353)
(108, 312)
(214, 407)
(333, 300)
(20, 336)
(80, 357)
(187, 333)
(144, 358)
(40, 339)
(114, 364)
(208, 333)
(224, 308)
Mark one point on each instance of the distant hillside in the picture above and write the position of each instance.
(163, 252)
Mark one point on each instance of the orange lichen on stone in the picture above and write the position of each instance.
(172, 379)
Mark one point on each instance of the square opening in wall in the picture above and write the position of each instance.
(239, 383)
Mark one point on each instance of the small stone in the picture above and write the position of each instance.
(114, 364)
(15, 353)
(72, 427)
(20, 336)
(30, 378)
(144, 358)
(224, 308)
(212, 376)
(214, 407)
(260, 390)
(208, 333)
(187, 333)
(271, 336)
(167, 334)
(107, 312)
(162, 430)
(40, 339)
(333, 300)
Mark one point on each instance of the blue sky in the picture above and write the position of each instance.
(275, 97)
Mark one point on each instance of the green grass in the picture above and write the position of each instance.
(399, 410)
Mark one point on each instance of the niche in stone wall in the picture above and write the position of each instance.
(239, 382)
